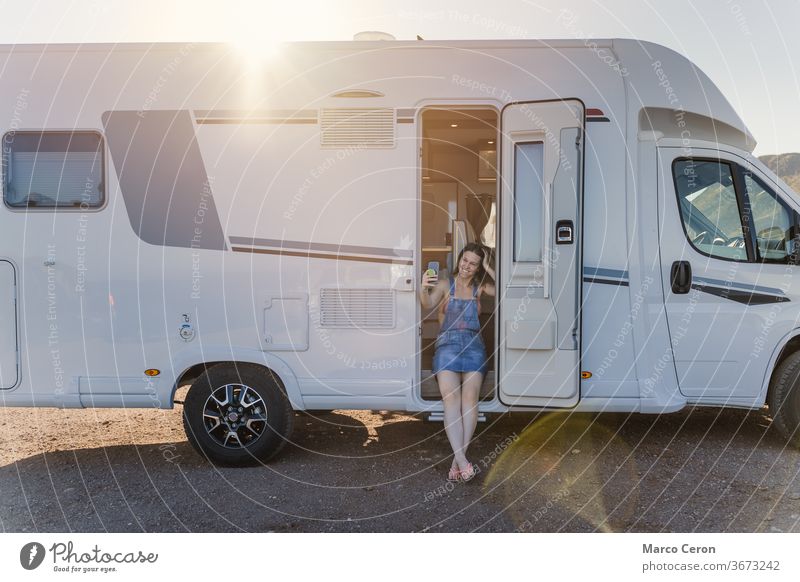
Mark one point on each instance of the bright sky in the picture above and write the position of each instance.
(749, 48)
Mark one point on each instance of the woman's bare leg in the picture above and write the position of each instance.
(450, 387)
(470, 390)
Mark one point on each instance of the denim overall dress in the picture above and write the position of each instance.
(459, 346)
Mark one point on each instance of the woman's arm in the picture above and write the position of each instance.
(431, 294)
(488, 287)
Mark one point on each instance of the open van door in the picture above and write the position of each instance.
(539, 253)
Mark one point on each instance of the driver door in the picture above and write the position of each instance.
(718, 287)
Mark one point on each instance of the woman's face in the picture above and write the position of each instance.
(470, 262)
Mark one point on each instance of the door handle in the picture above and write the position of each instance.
(564, 232)
(680, 277)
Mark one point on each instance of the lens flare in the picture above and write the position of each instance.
(566, 470)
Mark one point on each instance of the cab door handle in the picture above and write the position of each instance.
(680, 277)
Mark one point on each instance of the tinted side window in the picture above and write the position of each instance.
(772, 221)
(53, 169)
(709, 208)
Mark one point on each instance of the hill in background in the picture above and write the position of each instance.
(787, 166)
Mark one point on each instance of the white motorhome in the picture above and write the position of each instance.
(257, 228)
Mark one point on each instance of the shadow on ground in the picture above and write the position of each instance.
(704, 470)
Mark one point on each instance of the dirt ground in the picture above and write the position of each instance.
(356, 471)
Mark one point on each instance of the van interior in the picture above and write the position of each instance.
(458, 206)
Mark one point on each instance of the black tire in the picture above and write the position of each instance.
(237, 414)
(784, 399)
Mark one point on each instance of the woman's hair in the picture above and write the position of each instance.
(480, 250)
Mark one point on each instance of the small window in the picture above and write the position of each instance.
(528, 201)
(53, 170)
(709, 208)
(772, 221)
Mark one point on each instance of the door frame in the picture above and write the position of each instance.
(460, 105)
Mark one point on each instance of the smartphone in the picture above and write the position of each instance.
(433, 271)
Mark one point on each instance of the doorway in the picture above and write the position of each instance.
(458, 206)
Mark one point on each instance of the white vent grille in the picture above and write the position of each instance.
(357, 127)
(357, 308)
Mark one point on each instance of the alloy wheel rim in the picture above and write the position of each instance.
(234, 416)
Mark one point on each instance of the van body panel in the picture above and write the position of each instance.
(306, 226)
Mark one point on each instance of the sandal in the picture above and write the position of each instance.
(454, 476)
(468, 473)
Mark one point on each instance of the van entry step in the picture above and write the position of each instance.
(439, 417)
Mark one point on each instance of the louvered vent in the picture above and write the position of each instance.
(357, 127)
(357, 308)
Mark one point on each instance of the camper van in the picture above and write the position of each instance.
(256, 227)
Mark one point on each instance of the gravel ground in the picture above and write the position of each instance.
(352, 471)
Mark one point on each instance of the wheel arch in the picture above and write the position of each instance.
(193, 365)
(789, 344)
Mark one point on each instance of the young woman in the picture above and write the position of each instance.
(460, 358)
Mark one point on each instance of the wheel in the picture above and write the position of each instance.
(784, 401)
(237, 414)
